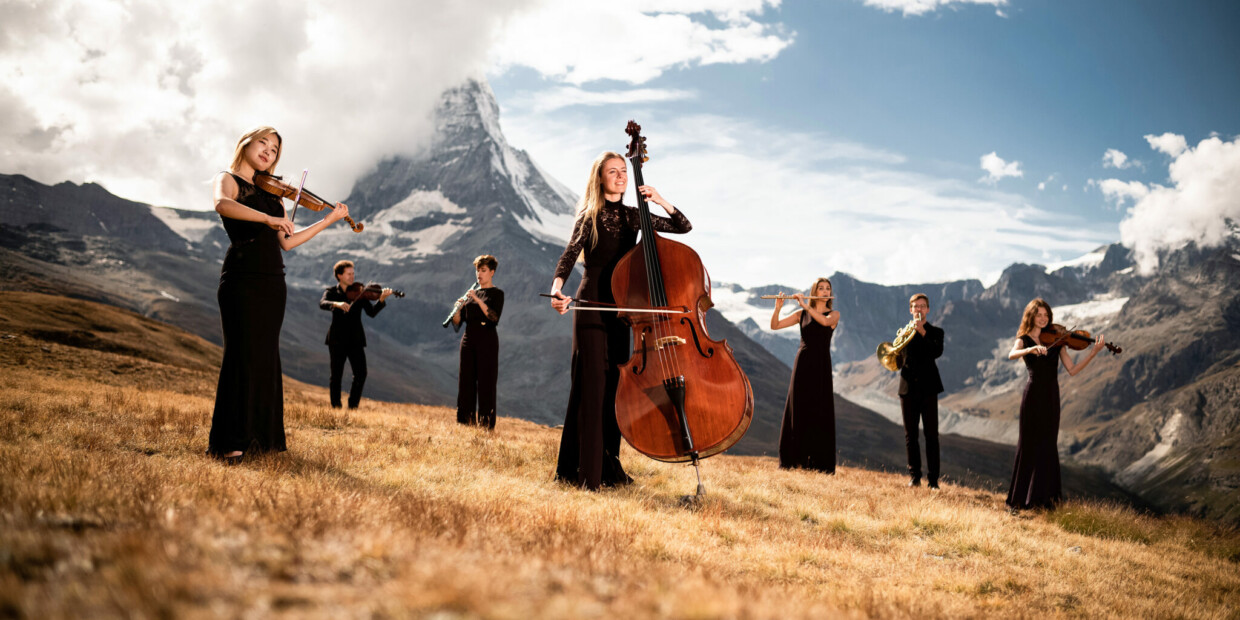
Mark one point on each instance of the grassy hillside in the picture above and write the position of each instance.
(110, 509)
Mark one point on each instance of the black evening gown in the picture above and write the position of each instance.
(479, 367)
(249, 400)
(1035, 474)
(807, 437)
(590, 445)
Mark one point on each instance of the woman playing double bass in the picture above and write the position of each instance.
(604, 231)
(1035, 474)
(249, 400)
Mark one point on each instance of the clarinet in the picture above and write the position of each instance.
(457, 306)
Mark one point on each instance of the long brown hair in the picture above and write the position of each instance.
(593, 199)
(814, 287)
(250, 136)
(1031, 313)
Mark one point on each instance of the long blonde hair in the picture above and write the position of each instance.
(250, 136)
(814, 287)
(1031, 313)
(593, 199)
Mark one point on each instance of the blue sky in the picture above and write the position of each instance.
(1051, 85)
(896, 140)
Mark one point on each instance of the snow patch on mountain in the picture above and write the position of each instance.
(193, 226)
(417, 204)
(395, 234)
(1084, 263)
(1093, 314)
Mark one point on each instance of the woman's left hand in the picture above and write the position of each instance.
(472, 294)
(1099, 343)
(800, 297)
(339, 212)
(652, 195)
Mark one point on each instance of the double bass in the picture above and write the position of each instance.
(682, 396)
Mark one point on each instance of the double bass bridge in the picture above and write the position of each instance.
(668, 341)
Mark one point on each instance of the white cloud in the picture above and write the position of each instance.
(1169, 143)
(148, 97)
(996, 168)
(921, 7)
(565, 96)
(1121, 191)
(1042, 185)
(579, 42)
(770, 205)
(1203, 196)
(1115, 158)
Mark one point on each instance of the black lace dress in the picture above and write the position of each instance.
(590, 445)
(249, 400)
(807, 437)
(1035, 474)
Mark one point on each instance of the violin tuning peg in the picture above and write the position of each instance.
(645, 159)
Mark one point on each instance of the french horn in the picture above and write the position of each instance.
(891, 354)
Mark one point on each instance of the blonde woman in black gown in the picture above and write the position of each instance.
(249, 400)
(604, 231)
(807, 436)
(1036, 481)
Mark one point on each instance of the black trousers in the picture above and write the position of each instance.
(356, 355)
(923, 408)
(479, 372)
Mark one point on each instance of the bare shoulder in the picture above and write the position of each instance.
(226, 186)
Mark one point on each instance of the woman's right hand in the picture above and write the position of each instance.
(559, 300)
(280, 224)
(1038, 350)
(779, 301)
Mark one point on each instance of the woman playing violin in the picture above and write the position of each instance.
(1035, 474)
(604, 230)
(249, 400)
(807, 436)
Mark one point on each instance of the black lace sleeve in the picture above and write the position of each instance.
(676, 223)
(564, 266)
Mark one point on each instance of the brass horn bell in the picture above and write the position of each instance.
(891, 354)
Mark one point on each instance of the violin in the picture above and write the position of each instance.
(1056, 334)
(371, 292)
(682, 396)
(273, 184)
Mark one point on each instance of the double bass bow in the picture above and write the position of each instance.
(682, 396)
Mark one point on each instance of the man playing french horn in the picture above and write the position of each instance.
(920, 386)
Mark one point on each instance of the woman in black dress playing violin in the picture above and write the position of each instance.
(604, 231)
(1036, 481)
(249, 400)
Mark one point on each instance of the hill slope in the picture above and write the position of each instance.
(110, 509)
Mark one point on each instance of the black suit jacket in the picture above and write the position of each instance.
(346, 329)
(920, 375)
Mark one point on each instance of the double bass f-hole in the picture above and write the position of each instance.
(710, 351)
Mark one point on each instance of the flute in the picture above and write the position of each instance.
(791, 297)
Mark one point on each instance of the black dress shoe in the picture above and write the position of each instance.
(934, 484)
(915, 482)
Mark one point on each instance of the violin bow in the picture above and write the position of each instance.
(602, 306)
(297, 196)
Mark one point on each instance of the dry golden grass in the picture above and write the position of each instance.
(109, 508)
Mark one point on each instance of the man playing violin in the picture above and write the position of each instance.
(345, 337)
(920, 386)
